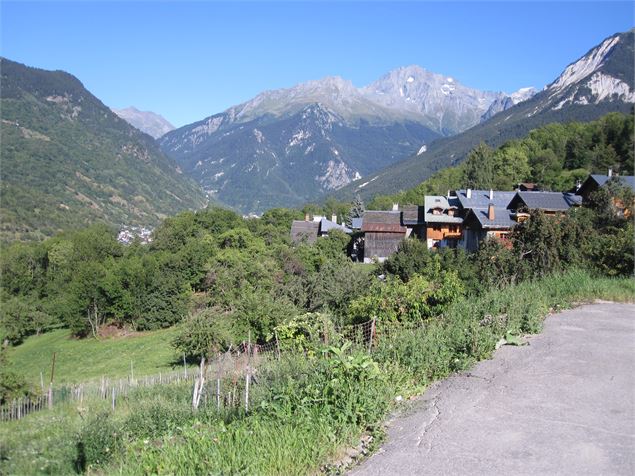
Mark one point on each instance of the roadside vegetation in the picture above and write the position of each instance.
(211, 280)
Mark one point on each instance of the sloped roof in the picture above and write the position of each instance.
(502, 218)
(327, 225)
(356, 223)
(480, 198)
(443, 203)
(413, 215)
(381, 221)
(602, 179)
(304, 230)
(549, 201)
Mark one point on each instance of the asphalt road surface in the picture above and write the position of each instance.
(564, 404)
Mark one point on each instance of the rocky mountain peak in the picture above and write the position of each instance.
(149, 122)
(585, 66)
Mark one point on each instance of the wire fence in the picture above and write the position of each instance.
(225, 380)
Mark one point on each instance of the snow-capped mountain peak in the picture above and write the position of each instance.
(596, 77)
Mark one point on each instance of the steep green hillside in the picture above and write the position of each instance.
(68, 161)
(553, 157)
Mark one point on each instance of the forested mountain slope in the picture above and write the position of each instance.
(68, 161)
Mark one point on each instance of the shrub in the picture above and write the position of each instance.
(99, 439)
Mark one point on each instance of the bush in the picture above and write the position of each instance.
(99, 439)
(206, 332)
(416, 300)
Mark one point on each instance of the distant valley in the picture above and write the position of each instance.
(289, 146)
(69, 161)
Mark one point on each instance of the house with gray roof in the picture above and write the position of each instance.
(484, 223)
(302, 230)
(596, 181)
(469, 199)
(309, 230)
(444, 225)
(549, 202)
(413, 218)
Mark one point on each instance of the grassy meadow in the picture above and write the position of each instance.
(80, 360)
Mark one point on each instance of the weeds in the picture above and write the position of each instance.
(306, 407)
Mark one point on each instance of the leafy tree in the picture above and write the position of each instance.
(496, 265)
(206, 333)
(480, 167)
(536, 241)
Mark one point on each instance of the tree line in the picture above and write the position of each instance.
(553, 157)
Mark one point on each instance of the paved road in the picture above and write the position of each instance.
(565, 404)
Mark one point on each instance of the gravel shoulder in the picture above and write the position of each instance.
(564, 404)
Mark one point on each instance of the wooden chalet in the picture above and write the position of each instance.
(383, 231)
(443, 224)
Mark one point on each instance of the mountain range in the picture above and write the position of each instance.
(289, 146)
(68, 161)
(149, 122)
(599, 82)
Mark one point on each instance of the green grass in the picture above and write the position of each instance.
(306, 409)
(79, 360)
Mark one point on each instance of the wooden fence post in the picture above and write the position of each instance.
(218, 375)
(275, 333)
(247, 374)
(372, 335)
(50, 395)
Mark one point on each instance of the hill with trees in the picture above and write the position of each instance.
(68, 161)
(553, 157)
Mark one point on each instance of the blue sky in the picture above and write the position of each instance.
(187, 61)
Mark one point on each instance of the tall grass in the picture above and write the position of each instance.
(305, 410)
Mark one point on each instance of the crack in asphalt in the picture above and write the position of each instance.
(428, 426)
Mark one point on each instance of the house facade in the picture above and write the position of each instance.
(383, 232)
(443, 225)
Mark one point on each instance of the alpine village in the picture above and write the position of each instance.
(260, 292)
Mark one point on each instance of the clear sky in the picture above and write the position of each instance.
(187, 61)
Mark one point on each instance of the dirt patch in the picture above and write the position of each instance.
(112, 331)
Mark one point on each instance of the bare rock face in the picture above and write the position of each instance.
(149, 122)
(443, 103)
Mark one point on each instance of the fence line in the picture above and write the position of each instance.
(233, 371)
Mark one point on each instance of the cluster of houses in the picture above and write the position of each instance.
(460, 219)
(127, 234)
